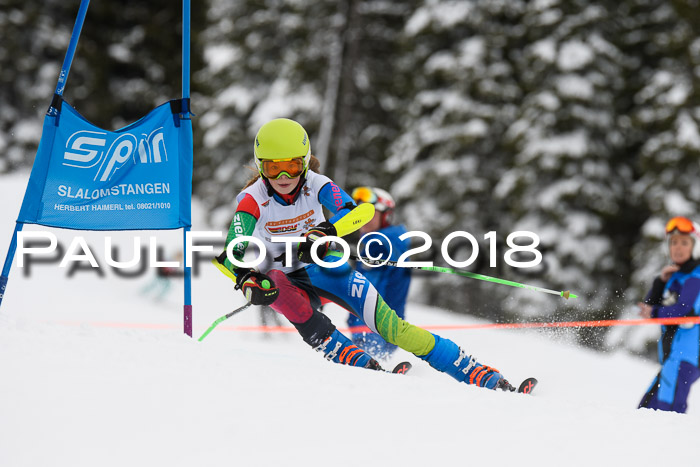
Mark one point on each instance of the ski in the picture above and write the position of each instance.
(402, 368)
(527, 386)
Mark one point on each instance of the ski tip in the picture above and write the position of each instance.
(527, 386)
(402, 368)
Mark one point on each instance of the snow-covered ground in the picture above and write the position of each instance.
(95, 373)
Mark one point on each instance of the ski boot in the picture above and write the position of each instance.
(320, 333)
(339, 349)
(449, 358)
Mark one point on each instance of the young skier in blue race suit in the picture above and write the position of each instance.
(287, 200)
(392, 283)
(676, 293)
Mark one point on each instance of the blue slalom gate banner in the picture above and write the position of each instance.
(135, 178)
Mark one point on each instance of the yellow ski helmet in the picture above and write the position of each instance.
(281, 139)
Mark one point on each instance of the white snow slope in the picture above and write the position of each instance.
(93, 373)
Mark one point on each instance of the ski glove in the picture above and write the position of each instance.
(257, 288)
(321, 230)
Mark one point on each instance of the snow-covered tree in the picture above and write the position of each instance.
(450, 155)
(663, 134)
(328, 65)
(568, 180)
(34, 37)
(128, 61)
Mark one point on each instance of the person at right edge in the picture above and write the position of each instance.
(676, 293)
(391, 282)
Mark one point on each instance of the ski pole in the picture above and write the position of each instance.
(564, 293)
(223, 318)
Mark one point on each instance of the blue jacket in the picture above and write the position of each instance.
(680, 296)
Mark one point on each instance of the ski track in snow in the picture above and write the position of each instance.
(96, 374)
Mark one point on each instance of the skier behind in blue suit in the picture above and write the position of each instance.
(391, 282)
(676, 293)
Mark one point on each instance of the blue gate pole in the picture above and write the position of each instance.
(8, 261)
(68, 59)
(187, 310)
(186, 49)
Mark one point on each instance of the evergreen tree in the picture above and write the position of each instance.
(263, 61)
(371, 91)
(663, 129)
(34, 36)
(328, 65)
(569, 177)
(667, 112)
(128, 61)
(449, 155)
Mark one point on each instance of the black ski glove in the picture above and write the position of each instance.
(323, 229)
(257, 288)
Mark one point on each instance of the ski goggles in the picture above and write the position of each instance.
(364, 194)
(274, 169)
(681, 224)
